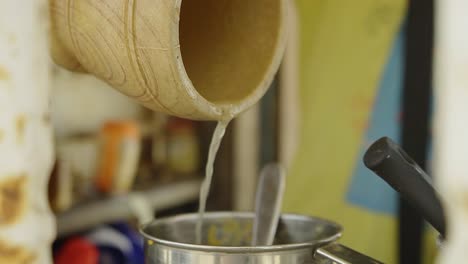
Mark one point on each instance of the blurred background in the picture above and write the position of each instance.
(354, 71)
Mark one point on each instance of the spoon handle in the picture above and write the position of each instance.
(268, 201)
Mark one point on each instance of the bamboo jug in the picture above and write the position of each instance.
(197, 59)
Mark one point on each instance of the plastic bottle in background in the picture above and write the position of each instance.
(119, 156)
(183, 146)
(60, 188)
(159, 142)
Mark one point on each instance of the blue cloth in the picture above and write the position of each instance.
(366, 189)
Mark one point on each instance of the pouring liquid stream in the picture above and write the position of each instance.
(205, 187)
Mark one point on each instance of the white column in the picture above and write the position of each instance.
(451, 123)
(27, 226)
(246, 149)
(288, 101)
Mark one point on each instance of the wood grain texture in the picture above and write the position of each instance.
(193, 59)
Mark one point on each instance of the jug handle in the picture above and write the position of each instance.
(336, 253)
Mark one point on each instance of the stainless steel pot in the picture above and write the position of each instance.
(227, 236)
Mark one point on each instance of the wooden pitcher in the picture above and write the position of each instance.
(197, 59)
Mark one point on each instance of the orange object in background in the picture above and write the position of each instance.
(119, 154)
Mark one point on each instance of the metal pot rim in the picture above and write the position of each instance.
(240, 249)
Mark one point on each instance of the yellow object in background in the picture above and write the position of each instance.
(344, 48)
(182, 146)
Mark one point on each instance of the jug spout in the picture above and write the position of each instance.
(202, 59)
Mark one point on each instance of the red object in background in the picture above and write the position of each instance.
(77, 251)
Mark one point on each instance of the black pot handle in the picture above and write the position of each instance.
(386, 159)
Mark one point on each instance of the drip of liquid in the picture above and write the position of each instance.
(205, 187)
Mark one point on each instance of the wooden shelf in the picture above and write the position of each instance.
(117, 208)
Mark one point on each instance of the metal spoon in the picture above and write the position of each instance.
(268, 202)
